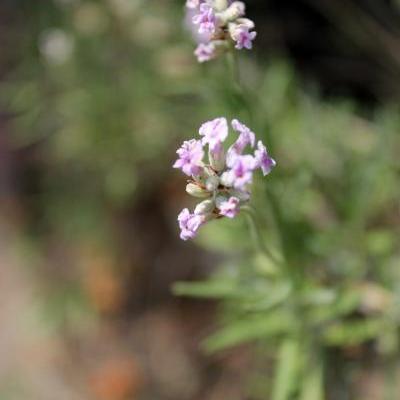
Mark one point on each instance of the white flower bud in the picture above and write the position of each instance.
(242, 195)
(220, 5)
(248, 23)
(197, 191)
(217, 158)
(234, 11)
(205, 207)
(219, 200)
(212, 183)
(208, 172)
(226, 179)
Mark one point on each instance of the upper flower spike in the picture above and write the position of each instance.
(219, 23)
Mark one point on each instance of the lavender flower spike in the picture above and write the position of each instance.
(218, 25)
(263, 160)
(190, 154)
(223, 183)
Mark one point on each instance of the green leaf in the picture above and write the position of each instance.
(213, 289)
(287, 372)
(313, 383)
(346, 303)
(352, 333)
(249, 329)
(272, 296)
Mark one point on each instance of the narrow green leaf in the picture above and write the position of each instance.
(313, 383)
(286, 378)
(213, 289)
(352, 333)
(346, 303)
(249, 329)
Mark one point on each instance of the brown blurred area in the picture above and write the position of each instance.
(133, 340)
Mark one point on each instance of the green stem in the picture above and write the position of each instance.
(257, 237)
(234, 68)
(294, 273)
(239, 91)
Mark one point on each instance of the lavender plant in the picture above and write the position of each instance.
(312, 314)
(225, 180)
(329, 212)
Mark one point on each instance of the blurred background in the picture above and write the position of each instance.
(95, 97)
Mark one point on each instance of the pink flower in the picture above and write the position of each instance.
(263, 160)
(214, 132)
(244, 38)
(205, 52)
(246, 137)
(241, 173)
(206, 20)
(230, 208)
(190, 157)
(194, 29)
(189, 224)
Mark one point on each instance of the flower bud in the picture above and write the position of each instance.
(233, 29)
(242, 195)
(234, 11)
(220, 5)
(226, 179)
(205, 207)
(217, 157)
(200, 180)
(220, 200)
(248, 23)
(193, 4)
(212, 183)
(197, 191)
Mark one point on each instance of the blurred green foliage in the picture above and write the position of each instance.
(102, 94)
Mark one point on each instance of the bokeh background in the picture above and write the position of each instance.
(95, 97)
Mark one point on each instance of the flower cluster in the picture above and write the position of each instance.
(224, 182)
(219, 25)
